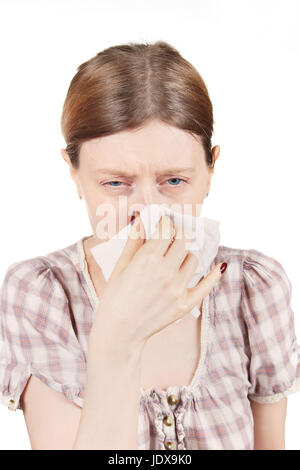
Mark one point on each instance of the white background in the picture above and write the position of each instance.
(248, 55)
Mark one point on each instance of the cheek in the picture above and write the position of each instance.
(194, 198)
(106, 217)
(201, 185)
(94, 197)
(194, 192)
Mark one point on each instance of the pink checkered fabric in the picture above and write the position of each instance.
(249, 349)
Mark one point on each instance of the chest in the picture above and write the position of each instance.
(171, 356)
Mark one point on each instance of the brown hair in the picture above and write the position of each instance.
(124, 86)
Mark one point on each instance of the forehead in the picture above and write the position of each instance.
(155, 145)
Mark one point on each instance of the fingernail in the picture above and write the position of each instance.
(223, 267)
(133, 217)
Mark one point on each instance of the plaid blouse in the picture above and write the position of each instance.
(249, 349)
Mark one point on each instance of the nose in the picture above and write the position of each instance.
(144, 195)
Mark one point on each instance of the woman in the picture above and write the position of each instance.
(109, 360)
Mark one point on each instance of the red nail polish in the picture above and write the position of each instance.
(133, 217)
(223, 267)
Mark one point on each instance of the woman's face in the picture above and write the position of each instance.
(158, 164)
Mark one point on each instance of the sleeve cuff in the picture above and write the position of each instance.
(12, 403)
(276, 396)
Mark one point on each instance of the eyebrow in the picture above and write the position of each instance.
(116, 172)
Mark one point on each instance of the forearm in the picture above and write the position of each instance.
(269, 425)
(109, 417)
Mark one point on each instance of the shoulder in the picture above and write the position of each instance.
(27, 272)
(38, 332)
(263, 286)
(56, 264)
(38, 280)
(255, 268)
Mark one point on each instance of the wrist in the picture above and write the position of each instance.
(110, 345)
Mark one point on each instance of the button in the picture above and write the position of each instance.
(168, 420)
(170, 445)
(172, 400)
(11, 404)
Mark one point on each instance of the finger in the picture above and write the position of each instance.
(178, 249)
(162, 237)
(188, 268)
(136, 238)
(196, 294)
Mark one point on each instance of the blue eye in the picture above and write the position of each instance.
(175, 179)
(113, 182)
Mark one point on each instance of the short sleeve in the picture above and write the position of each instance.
(274, 354)
(36, 333)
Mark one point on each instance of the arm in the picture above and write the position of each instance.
(51, 419)
(109, 417)
(269, 425)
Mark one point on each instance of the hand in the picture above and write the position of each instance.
(147, 290)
